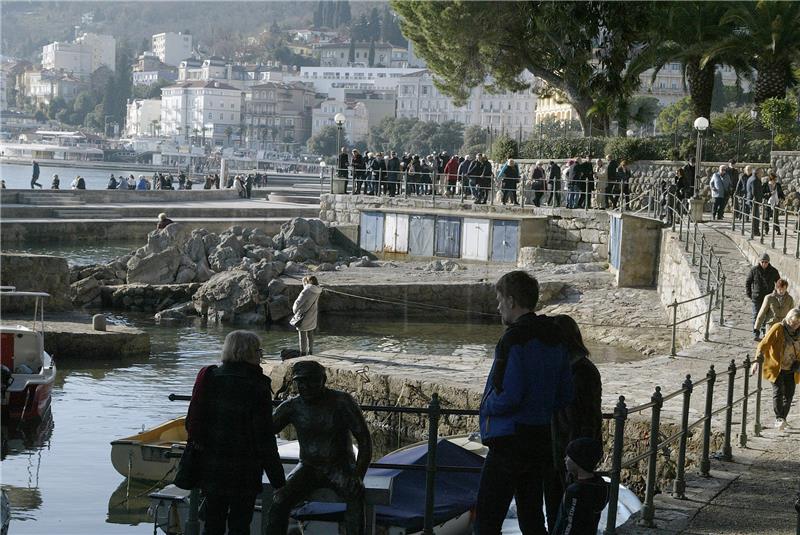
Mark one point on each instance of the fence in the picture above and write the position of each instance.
(767, 219)
(620, 417)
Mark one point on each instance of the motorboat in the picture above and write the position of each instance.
(152, 454)
(28, 371)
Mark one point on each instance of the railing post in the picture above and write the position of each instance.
(774, 222)
(786, 229)
(702, 252)
(430, 468)
(721, 301)
(726, 445)
(679, 485)
(694, 243)
(193, 523)
(648, 509)
(733, 218)
(705, 463)
(491, 192)
(759, 380)
(746, 371)
(710, 269)
(708, 312)
(620, 415)
(674, 306)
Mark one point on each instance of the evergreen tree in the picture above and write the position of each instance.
(371, 54)
(344, 16)
(390, 31)
(351, 53)
(360, 31)
(318, 15)
(374, 24)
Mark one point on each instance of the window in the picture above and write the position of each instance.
(210, 115)
(289, 122)
(424, 89)
(232, 118)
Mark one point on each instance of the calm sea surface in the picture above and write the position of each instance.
(59, 476)
(19, 176)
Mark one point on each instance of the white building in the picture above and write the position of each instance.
(198, 109)
(89, 52)
(42, 86)
(362, 110)
(103, 49)
(143, 118)
(325, 79)
(240, 76)
(508, 112)
(172, 48)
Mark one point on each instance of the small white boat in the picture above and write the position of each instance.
(28, 370)
(146, 455)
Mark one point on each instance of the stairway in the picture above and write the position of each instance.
(50, 199)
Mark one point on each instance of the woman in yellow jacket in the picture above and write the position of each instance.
(781, 351)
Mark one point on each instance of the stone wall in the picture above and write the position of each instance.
(787, 165)
(147, 297)
(97, 196)
(29, 272)
(786, 264)
(676, 282)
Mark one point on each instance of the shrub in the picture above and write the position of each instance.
(503, 148)
(559, 148)
(636, 148)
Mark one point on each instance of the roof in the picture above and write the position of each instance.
(203, 84)
(358, 43)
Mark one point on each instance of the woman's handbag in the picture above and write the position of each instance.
(190, 465)
(189, 468)
(297, 318)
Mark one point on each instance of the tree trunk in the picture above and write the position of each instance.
(772, 80)
(701, 87)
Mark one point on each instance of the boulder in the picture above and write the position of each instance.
(187, 271)
(297, 227)
(174, 235)
(325, 266)
(210, 241)
(301, 250)
(157, 268)
(257, 252)
(318, 232)
(257, 237)
(85, 291)
(279, 308)
(264, 271)
(364, 261)
(223, 258)
(276, 287)
(177, 312)
(227, 295)
(328, 255)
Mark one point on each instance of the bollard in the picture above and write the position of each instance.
(705, 463)
(193, 523)
(99, 322)
(726, 446)
(648, 509)
(674, 306)
(746, 371)
(708, 312)
(620, 415)
(679, 485)
(430, 467)
(757, 423)
(721, 301)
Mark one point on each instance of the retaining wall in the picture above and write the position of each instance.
(95, 196)
(41, 273)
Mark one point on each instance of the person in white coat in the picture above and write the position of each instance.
(305, 310)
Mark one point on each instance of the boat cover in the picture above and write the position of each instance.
(456, 492)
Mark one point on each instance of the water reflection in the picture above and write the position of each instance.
(128, 504)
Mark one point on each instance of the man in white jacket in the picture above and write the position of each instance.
(305, 310)
(718, 192)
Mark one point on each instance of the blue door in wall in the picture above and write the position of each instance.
(615, 241)
(448, 237)
(505, 240)
(420, 235)
(371, 231)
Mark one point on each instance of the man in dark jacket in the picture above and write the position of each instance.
(35, 175)
(755, 194)
(393, 173)
(230, 419)
(341, 168)
(611, 180)
(474, 174)
(554, 180)
(587, 176)
(324, 420)
(760, 283)
(689, 171)
(529, 381)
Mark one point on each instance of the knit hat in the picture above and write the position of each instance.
(765, 257)
(307, 368)
(585, 452)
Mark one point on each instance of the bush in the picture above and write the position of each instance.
(755, 151)
(560, 148)
(636, 148)
(503, 148)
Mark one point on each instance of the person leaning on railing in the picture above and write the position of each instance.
(775, 307)
(781, 351)
(773, 195)
(341, 169)
(760, 283)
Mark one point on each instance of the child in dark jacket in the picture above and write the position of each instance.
(586, 497)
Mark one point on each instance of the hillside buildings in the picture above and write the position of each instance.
(143, 118)
(172, 48)
(277, 114)
(362, 109)
(82, 57)
(338, 55)
(200, 110)
(148, 70)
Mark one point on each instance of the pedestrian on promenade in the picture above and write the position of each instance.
(601, 172)
(624, 179)
(78, 183)
(122, 184)
(112, 182)
(775, 306)
(509, 174)
(485, 180)
(555, 185)
(230, 423)
(56, 183)
(248, 185)
(587, 495)
(781, 351)
(760, 283)
(163, 221)
(359, 169)
(306, 309)
(341, 169)
(131, 182)
(755, 194)
(773, 195)
(143, 184)
(392, 173)
(689, 171)
(583, 417)
(35, 175)
(718, 192)
(529, 381)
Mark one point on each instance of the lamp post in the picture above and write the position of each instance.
(696, 204)
(337, 186)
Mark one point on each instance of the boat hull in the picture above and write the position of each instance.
(151, 455)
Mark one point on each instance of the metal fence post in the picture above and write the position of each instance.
(726, 445)
(759, 379)
(708, 312)
(620, 415)
(733, 219)
(694, 243)
(746, 371)
(430, 467)
(774, 222)
(721, 301)
(648, 509)
(702, 252)
(193, 523)
(674, 306)
(679, 485)
(705, 463)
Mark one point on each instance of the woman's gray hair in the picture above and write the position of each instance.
(793, 315)
(242, 346)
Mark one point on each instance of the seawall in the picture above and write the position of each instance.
(39, 273)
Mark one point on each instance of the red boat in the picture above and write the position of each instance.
(28, 371)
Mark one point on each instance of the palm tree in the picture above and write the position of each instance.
(687, 35)
(766, 35)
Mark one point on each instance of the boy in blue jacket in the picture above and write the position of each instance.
(530, 379)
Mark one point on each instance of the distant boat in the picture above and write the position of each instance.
(28, 370)
(144, 456)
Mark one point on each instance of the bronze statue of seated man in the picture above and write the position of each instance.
(324, 420)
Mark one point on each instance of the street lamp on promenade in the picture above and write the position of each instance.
(339, 119)
(696, 204)
(337, 187)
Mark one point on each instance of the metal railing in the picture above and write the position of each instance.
(781, 223)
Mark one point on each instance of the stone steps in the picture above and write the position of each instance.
(294, 198)
(86, 213)
(57, 199)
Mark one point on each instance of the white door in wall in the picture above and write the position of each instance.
(475, 239)
(395, 239)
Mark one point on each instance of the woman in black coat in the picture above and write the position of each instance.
(230, 423)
